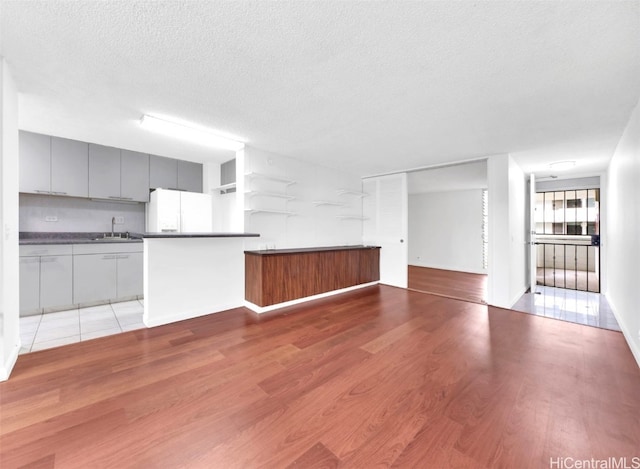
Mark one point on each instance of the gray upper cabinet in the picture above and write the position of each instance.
(35, 162)
(228, 172)
(104, 172)
(163, 172)
(189, 176)
(134, 176)
(69, 167)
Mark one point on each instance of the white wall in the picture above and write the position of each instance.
(622, 232)
(309, 224)
(445, 230)
(9, 286)
(507, 272)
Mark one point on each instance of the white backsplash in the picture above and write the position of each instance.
(78, 215)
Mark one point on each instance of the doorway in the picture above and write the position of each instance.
(448, 231)
(567, 230)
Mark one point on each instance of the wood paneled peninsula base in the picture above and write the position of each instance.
(278, 276)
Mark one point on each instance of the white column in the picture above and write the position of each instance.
(9, 252)
(507, 272)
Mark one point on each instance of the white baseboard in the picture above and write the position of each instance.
(515, 299)
(448, 267)
(10, 362)
(264, 309)
(628, 337)
(184, 315)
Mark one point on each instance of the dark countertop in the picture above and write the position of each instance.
(32, 238)
(199, 235)
(275, 252)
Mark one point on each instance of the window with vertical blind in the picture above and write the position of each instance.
(485, 229)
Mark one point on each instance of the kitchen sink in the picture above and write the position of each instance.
(108, 237)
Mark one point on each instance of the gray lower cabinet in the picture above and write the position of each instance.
(46, 281)
(189, 176)
(129, 273)
(69, 167)
(104, 172)
(35, 162)
(134, 176)
(163, 172)
(29, 285)
(106, 272)
(56, 281)
(94, 278)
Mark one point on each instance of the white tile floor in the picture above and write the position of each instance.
(581, 307)
(50, 330)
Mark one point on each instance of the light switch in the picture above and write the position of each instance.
(119, 220)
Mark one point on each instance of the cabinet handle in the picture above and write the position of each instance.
(48, 259)
(114, 197)
(123, 256)
(120, 198)
(126, 198)
(42, 192)
(108, 257)
(58, 193)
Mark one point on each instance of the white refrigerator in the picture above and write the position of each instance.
(179, 212)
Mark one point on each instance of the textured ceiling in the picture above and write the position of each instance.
(369, 87)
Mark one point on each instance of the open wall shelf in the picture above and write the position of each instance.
(253, 175)
(273, 212)
(350, 192)
(269, 194)
(226, 187)
(317, 203)
(351, 217)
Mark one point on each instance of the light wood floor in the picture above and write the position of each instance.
(459, 285)
(376, 377)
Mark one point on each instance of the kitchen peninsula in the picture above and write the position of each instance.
(274, 278)
(191, 274)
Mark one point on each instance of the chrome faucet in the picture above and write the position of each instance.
(113, 223)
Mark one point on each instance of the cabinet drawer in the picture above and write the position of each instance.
(104, 248)
(46, 250)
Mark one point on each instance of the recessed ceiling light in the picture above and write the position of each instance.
(560, 165)
(187, 132)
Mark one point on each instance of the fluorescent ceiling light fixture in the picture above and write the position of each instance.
(192, 134)
(560, 165)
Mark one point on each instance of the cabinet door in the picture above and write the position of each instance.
(228, 172)
(94, 277)
(69, 167)
(129, 274)
(163, 172)
(35, 162)
(29, 285)
(56, 279)
(134, 176)
(104, 172)
(189, 176)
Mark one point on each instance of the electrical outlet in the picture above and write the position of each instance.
(51, 218)
(119, 220)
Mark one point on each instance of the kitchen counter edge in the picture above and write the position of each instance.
(275, 252)
(199, 235)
